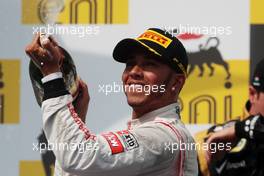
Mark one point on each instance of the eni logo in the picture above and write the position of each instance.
(75, 11)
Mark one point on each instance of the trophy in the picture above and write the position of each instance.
(69, 73)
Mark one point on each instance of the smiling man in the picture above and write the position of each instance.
(154, 75)
(145, 79)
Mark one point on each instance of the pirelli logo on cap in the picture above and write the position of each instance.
(155, 37)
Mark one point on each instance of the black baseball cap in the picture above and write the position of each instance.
(159, 42)
(258, 77)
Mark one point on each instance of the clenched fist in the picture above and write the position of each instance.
(48, 56)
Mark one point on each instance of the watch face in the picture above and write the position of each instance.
(68, 70)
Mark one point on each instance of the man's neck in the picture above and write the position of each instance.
(253, 111)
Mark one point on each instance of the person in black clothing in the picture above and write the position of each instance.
(246, 135)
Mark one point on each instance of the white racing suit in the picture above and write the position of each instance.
(149, 147)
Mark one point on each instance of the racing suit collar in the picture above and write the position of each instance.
(169, 111)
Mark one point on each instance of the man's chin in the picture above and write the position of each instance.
(136, 101)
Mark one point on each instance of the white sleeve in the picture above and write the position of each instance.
(135, 150)
(51, 77)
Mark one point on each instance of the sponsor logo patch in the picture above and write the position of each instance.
(128, 139)
(114, 143)
(155, 37)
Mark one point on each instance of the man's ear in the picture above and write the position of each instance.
(179, 80)
(252, 94)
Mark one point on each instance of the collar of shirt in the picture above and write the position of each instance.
(171, 111)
